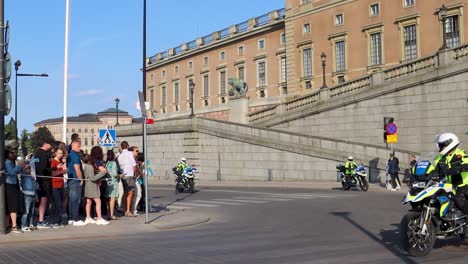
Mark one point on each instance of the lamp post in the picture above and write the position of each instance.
(191, 89)
(117, 101)
(17, 65)
(443, 19)
(323, 57)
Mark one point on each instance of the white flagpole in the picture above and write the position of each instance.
(65, 71)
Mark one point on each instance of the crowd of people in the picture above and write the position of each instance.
(60, 184)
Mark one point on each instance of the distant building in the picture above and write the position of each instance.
(86, 125)
(279, 54)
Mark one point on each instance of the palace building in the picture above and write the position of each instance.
(297, 50)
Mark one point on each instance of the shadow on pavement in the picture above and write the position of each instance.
(390, 238)
(161, 208)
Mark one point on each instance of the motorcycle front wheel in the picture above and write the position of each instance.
(415, 243)
(363, 183)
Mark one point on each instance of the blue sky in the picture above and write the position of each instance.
(105, 47)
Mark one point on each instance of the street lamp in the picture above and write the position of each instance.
(191, 89)
(323, 57)
(117, 101)
(17, 65)
(443, 18)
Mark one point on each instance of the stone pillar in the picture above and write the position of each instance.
(252, 23)
(233, 30)
(184, 47)
(378, 78)
(239, 109)
(215, 36)
(445, 57)
(199, 42)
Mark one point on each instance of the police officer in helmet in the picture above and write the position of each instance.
(452, 162)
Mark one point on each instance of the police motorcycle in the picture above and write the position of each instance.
(358, 178)
(185, 181)
(433, 214)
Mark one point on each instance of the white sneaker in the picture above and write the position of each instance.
(102, 221)
(79, 223)
(26, 229)
(393, 190)
(398, 187)
(90, 221)
(71, 222)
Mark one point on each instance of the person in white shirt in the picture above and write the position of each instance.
(130, 170)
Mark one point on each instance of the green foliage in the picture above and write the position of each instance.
(40, 135)
(10, 130)
(26, 144)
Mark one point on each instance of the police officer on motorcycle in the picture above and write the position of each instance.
(453, 163)
(350, 166)
(181, 166)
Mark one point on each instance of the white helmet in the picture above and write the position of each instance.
(350, 158)
(184, 160)
(446, 142)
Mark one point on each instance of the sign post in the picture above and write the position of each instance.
(145, 152)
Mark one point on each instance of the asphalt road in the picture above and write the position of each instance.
(254, 225)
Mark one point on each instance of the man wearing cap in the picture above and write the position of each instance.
(43, 155)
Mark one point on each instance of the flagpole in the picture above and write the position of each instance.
(65, 71)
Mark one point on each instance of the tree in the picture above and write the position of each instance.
(26, 146)
(40, 135)
(10, 130)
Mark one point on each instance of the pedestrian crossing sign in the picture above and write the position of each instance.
(107, 137)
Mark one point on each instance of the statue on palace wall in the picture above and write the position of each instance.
(239, 87)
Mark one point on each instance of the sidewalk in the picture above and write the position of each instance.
(159, 221)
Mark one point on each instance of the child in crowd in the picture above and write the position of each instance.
(91, 190)
(28, 187)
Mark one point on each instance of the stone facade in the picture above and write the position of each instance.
(358, 37)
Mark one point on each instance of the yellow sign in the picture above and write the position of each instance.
(392, 138)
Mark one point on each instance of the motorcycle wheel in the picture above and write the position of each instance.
(178, 189)
(363, 184)
(191, 186)
(413, 243)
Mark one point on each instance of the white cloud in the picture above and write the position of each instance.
(89, 92)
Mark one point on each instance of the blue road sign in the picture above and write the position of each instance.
(391, 128)
(107, 137)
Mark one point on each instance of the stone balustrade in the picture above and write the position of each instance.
(302, 101)
(350, 86)
(405, 70)
(461, 52)
(411, 67)
(244, 27)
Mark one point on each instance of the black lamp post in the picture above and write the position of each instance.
(17, 65)
(117, 101)
(443, 19)
(323, 57)
(191, 90)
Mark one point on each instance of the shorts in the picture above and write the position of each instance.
(12, 198)
(44, 189)
(129, 184)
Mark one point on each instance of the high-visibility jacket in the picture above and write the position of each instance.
(350, 166)
(458, 159)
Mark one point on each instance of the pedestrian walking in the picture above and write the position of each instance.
(28, 187)
(393, 172)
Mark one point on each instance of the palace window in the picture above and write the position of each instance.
(240, 50)
(176, 93)
(339, 19)
(261, 44)
(222, 82)
(261, 73)
(241, 73)
(306, 28)
(408, 2)
(307, 62)
(410, 42)
(452, 31)
(374, 9)
(206, 86)
(283, 69)
(163, 95)
(340, 56)
(376, 48)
